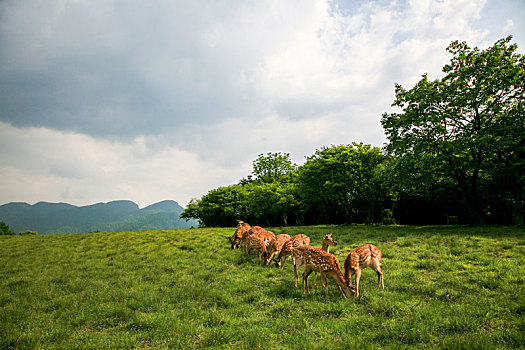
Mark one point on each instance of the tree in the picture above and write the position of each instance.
(335, 184)
(5, 230)
(272, 204)
(272, 167)
(467, 129)
(219, 207)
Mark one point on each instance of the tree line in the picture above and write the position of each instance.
(455, 152)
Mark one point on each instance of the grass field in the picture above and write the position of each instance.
(445, 287)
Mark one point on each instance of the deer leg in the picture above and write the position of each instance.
(295, 275)
(283, 260)
(325, 284)
(357, 278)
(377, 268)
(380, 278)
(269, 258)
(306, 273)
(348, 277)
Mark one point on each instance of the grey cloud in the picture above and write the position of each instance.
(136, 69)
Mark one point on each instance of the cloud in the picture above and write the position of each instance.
(101, 92)
(63, 166)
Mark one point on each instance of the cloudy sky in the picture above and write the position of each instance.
(150, 100)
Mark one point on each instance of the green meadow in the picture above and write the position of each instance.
(449, 287)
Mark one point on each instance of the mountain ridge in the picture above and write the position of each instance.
(120, 215)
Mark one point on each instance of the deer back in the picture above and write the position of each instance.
(276, 245)
(256, 242)
(362, 257)
(316, 258)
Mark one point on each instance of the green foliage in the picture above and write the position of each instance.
(445, 287)
(465, 132)
(219, 207)
(273, 167)
(455, 149)
(28, 232)
(338, 183)
(272, 203)
(5, 230)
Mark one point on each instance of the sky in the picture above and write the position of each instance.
(105, 100)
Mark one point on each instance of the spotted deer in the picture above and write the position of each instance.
(267, 236)
(315, 259)
(364, 256)
(276, 245)
(257, 243)
(242, 229)
(257, 230)
(327, 242)
(286, 251)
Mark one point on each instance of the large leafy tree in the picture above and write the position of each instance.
(273, 167)
(219, 207)
(272, 204)
(466, 130)
(336, 183)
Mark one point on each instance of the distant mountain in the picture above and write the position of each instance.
(45, 218)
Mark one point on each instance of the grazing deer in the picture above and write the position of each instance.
(286, 251)
(327, 242)
(236, 239)
(364, 256)
(257, 243)
(276, 245)
(315, 259)
(267, 236)
(259, 231)
(298, 261)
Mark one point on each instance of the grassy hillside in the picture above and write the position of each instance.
(445, 287)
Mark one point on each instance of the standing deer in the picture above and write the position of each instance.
(276, 245)
(286, 251)
(257, 243)
(364, 256)
(259, 231)
(315, 259)
(327, 242)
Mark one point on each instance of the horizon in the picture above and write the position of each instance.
(91, 204)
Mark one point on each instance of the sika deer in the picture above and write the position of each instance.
(286, 251)
(327, 242)
(276, 245)
(267, 236)
(259, 231)
(315, 259)
(236, 239)
(257, 243)
(364, 256)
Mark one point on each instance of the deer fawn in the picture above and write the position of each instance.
(364, 256)
(236, 239)
(286, 251)
(327, 242)
(276, 245)
(257, 243)
(315, 259)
